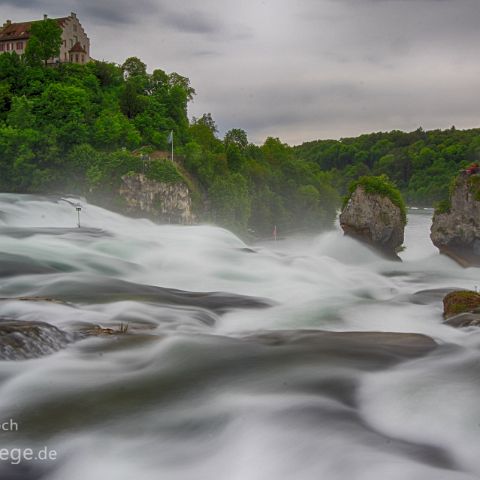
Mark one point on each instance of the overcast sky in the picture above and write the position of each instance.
(298, 69)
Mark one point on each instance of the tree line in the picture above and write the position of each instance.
(421, 163)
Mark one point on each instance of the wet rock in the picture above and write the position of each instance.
(460, 301)
(375, 220)
(456, 232)
(430, 296)
(370, 344)
(12, 265)
(462, 308)
(87, 289)
(21, 340)
(25, 232)
(464, 320)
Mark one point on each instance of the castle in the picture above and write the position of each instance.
(75, 46)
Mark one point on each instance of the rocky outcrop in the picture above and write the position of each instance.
(166, 202)
(25, 340)
(456, 232)
(462, 308)
(374, 219)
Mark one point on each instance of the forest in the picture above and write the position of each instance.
(421, 163)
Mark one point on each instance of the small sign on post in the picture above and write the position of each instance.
(78, 207)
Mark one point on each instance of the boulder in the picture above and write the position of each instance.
(374, 219)
(462, 308)
(456, 229)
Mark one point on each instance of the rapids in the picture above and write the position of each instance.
(249, 383)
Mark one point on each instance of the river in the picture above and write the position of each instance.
(227, 387)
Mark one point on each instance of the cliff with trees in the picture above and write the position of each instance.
(80, 128)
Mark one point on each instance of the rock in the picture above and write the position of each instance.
(390, 346)
(374, 219)
(168, 202)
(93, 289)
(430, 296)
(456, 232)
(464, 320)
(21, 340)
(462, 308)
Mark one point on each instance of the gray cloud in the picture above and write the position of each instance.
(303, 69)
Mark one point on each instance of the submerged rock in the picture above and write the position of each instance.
(462, 308)
(455, 230)
(92, 289)
(369, 344)
(373, 218)
(21, 340)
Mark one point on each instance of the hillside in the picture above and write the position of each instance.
(421, 163)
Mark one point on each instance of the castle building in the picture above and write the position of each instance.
(75, 46)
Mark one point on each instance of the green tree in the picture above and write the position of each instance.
(236, 136)
(44, 43)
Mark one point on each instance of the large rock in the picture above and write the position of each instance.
(456, 233)
(461, 308)
(168, 202)
(374, 219)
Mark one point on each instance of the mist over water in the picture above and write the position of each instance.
(202, 387)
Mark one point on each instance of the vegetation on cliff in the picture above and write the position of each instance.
(380, 185)
(79, 128)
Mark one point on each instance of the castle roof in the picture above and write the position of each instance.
(21, 31)
(77, 48)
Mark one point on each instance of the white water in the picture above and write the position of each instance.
(184, 399)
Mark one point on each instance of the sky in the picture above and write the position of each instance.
(299, 70)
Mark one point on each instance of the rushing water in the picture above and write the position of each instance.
(201, 387)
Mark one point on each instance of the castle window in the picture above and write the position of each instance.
(19, 45)
(74, 28)
(83, 58)
(76, 57)
(2, 47)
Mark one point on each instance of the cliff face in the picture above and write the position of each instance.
(167, 202)
(457, 233)
(375, 220)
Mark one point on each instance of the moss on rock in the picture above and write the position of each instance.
(462, 301)
(382, 186)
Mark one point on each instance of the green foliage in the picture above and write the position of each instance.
(163, 171)
(474, 186)
(421, 164)
(44, 43)
(382, 186)
(231, 201)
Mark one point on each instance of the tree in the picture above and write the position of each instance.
(176, 80)
(236, 136)
(44, 43)
(134, 67)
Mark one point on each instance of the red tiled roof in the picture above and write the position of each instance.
(19, 31)
(77, 48)
(15, 31)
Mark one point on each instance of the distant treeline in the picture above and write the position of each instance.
(421, 163)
